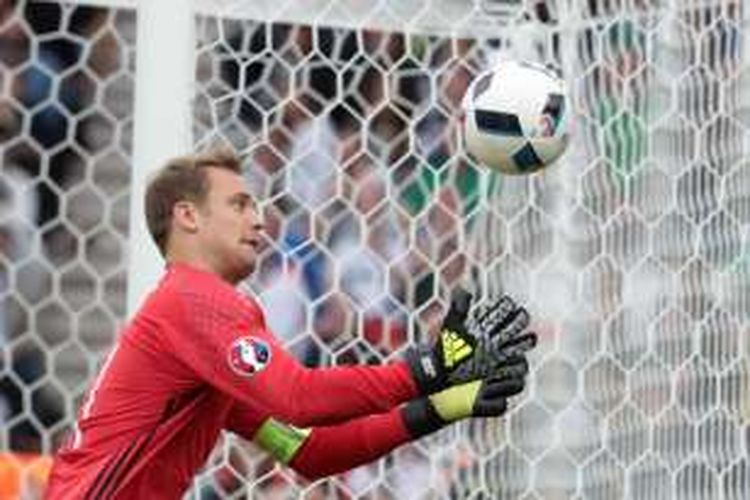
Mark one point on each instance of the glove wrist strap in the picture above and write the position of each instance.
(421, 418)
(425, 369)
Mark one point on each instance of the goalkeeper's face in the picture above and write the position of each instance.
(230, 227)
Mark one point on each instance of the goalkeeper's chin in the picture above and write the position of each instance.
(243, 266)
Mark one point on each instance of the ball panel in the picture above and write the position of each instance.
(498, 123)
(526, 160)
(493, 150)
(551, 148)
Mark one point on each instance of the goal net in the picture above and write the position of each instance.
(631, 252)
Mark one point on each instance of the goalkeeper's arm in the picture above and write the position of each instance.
(322, 451)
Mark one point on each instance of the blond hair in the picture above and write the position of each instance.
(182, 179)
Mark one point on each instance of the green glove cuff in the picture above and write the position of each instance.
(426, 415)
(280, 440)
(456, 402)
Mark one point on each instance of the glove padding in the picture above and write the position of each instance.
(472, 347)
(480, 398)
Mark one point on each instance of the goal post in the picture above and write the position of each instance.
(163, 117)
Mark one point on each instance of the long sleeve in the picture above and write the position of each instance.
(324, 450)
(333, 449)
(223, 339)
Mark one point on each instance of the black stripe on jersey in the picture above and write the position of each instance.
(107, 472)
(124, 466)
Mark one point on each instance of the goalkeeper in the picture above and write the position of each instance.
(197, 359)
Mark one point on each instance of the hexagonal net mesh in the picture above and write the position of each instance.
(66, 83)
(631, 253)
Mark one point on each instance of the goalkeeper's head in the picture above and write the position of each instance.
(200, 212)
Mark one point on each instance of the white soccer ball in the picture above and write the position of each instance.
(516, 117)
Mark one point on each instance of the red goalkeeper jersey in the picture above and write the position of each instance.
(196, 359)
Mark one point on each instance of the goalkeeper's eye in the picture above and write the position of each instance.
(241, 202)
(239, 205)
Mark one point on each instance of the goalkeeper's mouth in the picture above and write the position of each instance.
(253, 243)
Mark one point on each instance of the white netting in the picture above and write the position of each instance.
(631, 253)
(66, 85)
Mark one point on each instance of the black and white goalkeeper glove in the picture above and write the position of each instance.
(489, 342)
(480, 398)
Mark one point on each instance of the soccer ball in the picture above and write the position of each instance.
(515, 117)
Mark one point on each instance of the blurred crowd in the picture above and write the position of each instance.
(65, 104)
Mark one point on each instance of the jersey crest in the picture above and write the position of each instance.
(248, 356)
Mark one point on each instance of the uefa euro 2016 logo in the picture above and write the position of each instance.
(249, 355)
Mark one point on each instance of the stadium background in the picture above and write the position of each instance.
(632, 252)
